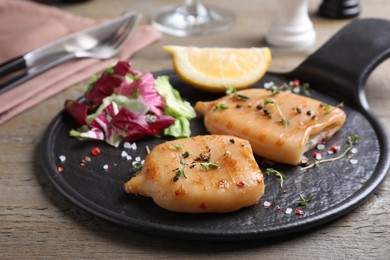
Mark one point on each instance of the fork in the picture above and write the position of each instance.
(101, 42)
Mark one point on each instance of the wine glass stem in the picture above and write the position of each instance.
(192, 3)
(194, 8)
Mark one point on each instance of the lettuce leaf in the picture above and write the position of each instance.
(180, 109)
(124, 104)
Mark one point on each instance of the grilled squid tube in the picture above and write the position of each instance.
(279, 126)
(208, 173)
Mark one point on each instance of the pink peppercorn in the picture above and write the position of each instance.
(334, 148)
(299, 212)
(317, 155)
(95, 151)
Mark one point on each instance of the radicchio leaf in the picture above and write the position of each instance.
(102, 88)
(144, 86)
(134, 126)
(77, 110)
(122, 68)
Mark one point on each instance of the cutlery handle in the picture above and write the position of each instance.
(33, 72)
(13, 65)
(342, 65)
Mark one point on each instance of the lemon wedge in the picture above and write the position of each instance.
(215, 69)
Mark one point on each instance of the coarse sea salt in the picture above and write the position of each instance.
(267, 204)
(132, 146)
(353, 161)
(62, 158)
(288, 211)
(269, 84)
(320, 146)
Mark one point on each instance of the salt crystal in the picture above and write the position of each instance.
(320, 146)
(137, 159)
(267, 204)
(128, 157)
(268, 84)
(124, 154)
(127, 145)
(354, 150)
(105, 167)
(353, 161)
(134, 146)
(296, 90)
(62, 158)
(288, 211)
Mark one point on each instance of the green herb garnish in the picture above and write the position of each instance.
(220, 107)
(284, 123)
(207, 166)
(178, 146)
(185, 154)
(267, 101)
(278, 174)
(233, 92)
(327, 108)
(351, 141)
(180, 172)
(304, 202)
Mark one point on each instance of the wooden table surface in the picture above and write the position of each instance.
(37, 221)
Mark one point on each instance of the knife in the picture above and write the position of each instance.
(102, 41)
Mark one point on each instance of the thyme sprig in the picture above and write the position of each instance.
(327, 108)
(278, 174)
(208, 165)
(203, 160)
(230, 91)
(284, 122)
(180, 171)
(351, 141)
(304, 202)
(220, 106)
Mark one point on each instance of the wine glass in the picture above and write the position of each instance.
(192, 18)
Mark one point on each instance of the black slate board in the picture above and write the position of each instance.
(335, 70)
(338, 187)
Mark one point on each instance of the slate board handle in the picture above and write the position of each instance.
(342, 65)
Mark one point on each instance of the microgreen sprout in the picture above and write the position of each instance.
(278, 174)
(207, 166)
(267, 101)
(327, 108)
(233, 93)
(304, 202)
(178, 146)
(180, 172)
(220, 106)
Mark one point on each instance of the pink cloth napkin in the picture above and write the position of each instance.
(26, 25)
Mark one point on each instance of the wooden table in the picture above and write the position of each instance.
(36, 221)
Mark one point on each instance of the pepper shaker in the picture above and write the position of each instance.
(339, 9)
(292, 27)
